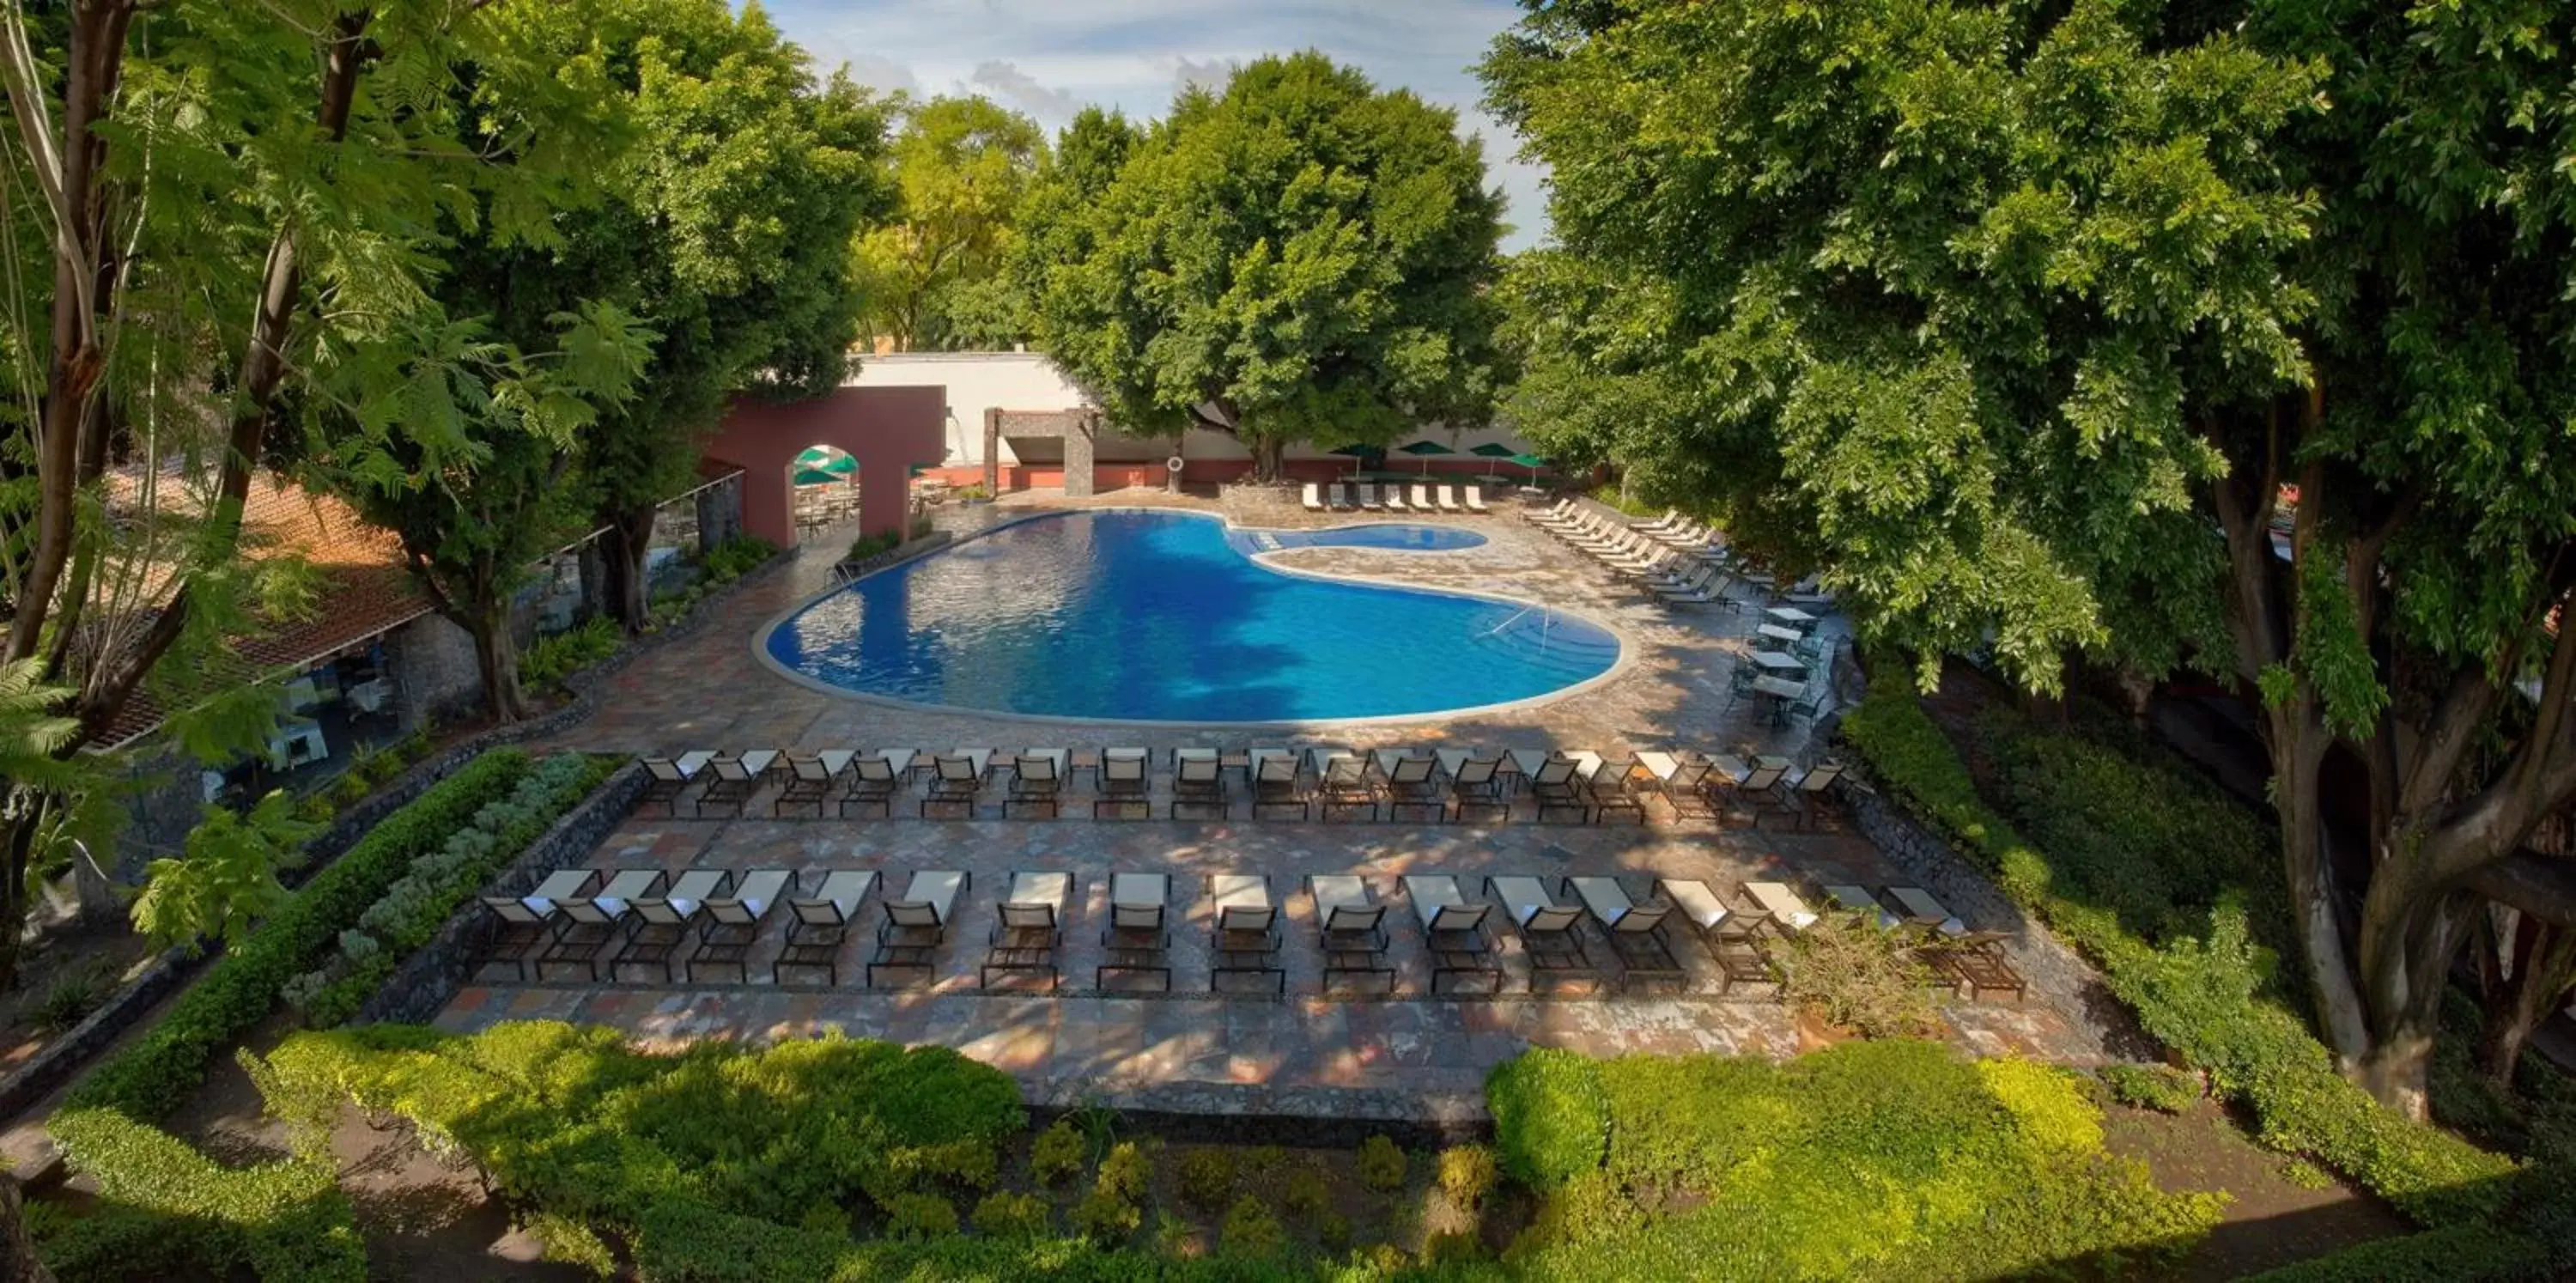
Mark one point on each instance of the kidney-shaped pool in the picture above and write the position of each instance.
(1167, 617)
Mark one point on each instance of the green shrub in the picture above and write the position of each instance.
(1551, 1122)
(1206, 1178)
(2459, 1254)
(156, 1071)
(1006, 1215)
(284, 1220)
(554, 658)
(573, 1243)
(113, 1242)
(1304, 1193)
(920, 1216)
(1452, 1247)
(1123, 1173)
(71, 996)
(1106, 1219)
(1467, 1174)
(1855, 974)
(1381, 1165)
(1056, 1156)
(2162, 1088)
(1250, 1230)
(736, 557)
(866, 546)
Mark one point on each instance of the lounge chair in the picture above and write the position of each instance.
(1787, 913)
(1976, 962)
(1475, 787)
(1858, 902)
(1682, 783)
(595, 924)
(1277, 785)
(1124, 790)
(1559, 790)
(956, 782)
(667, 921)
(1925, 914)
(1422, 498)
(1340, 497)
(733, 918)
(1410, 787)
(1037, 784)
(1800, 792)
(1198, 785)
(916, 925)
(1550, 932)
(669, 777)
(810, 780)
(520, 932)
(1733, 937)
(1612, 791)
(1350, 927)
(1636, 933)
(822, 923)
(1745, 784)
(736, 779)
(1136, 941)
(1029, 929)
(1314, 497)
(1454, 930)
(1344, 783)
(1394, 500)
(1475, 496)
(1449, 500)
(1368, 497)
(1553, 513)
(874, 777)
(1245, 940)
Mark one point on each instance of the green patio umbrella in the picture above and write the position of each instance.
(814, 477)
(1423, 450)
(1493, 450)
(826, 459)
(1533, 462)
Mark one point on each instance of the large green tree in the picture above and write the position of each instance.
(933, 274)
(2020, 320)
(1298, 258)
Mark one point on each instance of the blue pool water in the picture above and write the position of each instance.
(1165, 617)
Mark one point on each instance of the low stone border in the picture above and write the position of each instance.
(433, 973)
(1255, 1114)
(869, 565)
(53, 1064)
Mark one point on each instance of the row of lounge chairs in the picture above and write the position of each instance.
(1339, 496)
(1674, 571)
(638, 919)
(1277, 783)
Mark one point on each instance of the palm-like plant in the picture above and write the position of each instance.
(33, 734)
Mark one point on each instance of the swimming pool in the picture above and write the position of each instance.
(1157, 616)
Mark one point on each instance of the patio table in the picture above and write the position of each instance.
(1782, 693)
(1790, 615)
(1772, 661)
(1785, 636)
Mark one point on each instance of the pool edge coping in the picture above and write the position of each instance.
(1629, 644)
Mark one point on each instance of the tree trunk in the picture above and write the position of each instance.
(2544, 962)
(18, 1263)
(20, 835)
(1269, 456)
(498, 661)
(629, 537)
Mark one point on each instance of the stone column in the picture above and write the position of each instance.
(1079, 447)
(992, 451)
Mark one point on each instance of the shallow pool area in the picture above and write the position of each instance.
(1168, 617)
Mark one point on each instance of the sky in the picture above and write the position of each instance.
(1049, 58)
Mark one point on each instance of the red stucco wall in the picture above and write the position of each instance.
(888, 430)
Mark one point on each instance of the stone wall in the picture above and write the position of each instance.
(424, 982)
(1256, 1114)
(432, 661)
(719, 514)
(54, 1063)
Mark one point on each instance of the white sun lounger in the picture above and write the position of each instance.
(1476, 499)
(1422, 498)
(1368, 497)
(1314, 497)
(1394, 499)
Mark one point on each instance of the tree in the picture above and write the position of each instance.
(933, 276)
(1301, 257)
(225, 879)
(2022, 321)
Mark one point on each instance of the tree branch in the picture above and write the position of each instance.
(2537, 884)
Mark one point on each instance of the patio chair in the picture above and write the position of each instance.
(822, 923)
(1136, 941)
(733, 919)
(736, 778)
(1550, 933)
(1340, 498)
(1314, 497)
(1784, 912)
(1476, 788)
(1029, 930)
(810, 779)
(1245, 940)
(1800, 793)
(667, 922)
(1198, 785)
(667, 777)
(1744, 784)
(1976, 962)
(1612, 791)
(874, 777)
(916, 925)
(595, 924)
(1278, 787)
(1682, 782)
(1410, 787)
(1123, 787)
(1732, 937)
(1475, 496)
(1393, 498)
(956, 783)
(1347, 785)
(1558, 791)
(1558, 511)
(520, 932)
(1350, 926)
(1454, 931)
(1037, 784)
(1448, 498)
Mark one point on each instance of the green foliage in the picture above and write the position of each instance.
(572, 1243)
(1551, 1121)
(1105, 1219)
(556, 657)
(1306, 254)
(920, 1216)
(1005, 1215)
(866, 546)
(736, 557)
(1251, 1230)
(71, 996)
(2458, 1254)
(225, 880)
(1123, 1172)
(1467, 1173)
(1855, 974)
(1874, 1160)
(933, 277)
(1058, 1153)
(1304, 1193)
(157, 1070)
(2162, 1088)
(1206, 1178)
(284, 1220)
(1381, 1165)
(2200, 985)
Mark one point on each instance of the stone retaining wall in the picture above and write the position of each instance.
(433, 973)
(54, 1063)
(1256, 1114)
(929, 543)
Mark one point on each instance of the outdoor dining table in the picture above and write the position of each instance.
(1782, 694)
(1777, 633)
(1777, 662)
(1784, 905)
(1790, 615)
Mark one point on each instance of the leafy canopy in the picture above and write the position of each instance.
(934, 275)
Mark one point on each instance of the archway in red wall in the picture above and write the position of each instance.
(887, 430)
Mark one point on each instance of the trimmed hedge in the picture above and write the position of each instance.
(2458, 1254)
(2203, 988)
(1551, 1121)
(156, 1072)
(170, 1204)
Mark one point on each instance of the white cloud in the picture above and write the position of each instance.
(1022, 90)
(1210, 75)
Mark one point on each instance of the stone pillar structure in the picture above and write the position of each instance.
(1081, 441)
(992, 451)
